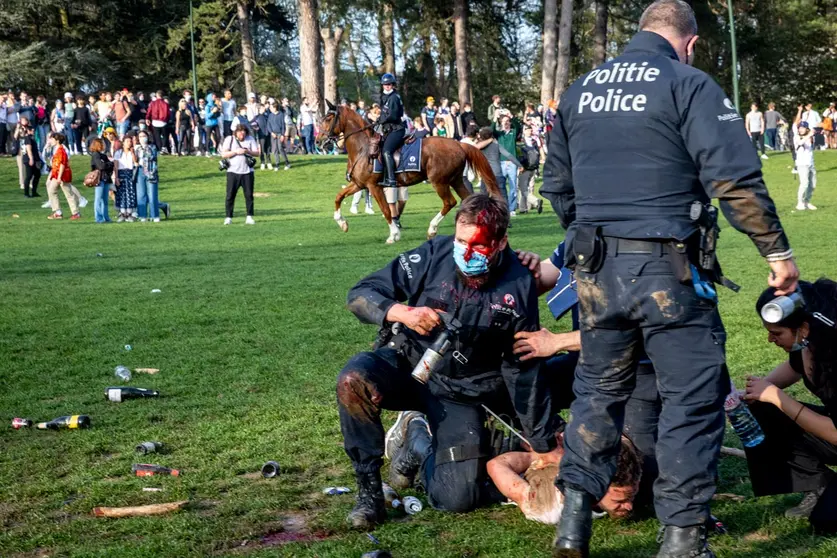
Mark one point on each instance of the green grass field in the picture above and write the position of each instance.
(250, 331)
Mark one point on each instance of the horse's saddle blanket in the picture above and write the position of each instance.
(407, 158)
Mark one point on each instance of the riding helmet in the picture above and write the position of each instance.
(387, 79)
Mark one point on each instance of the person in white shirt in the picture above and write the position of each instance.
(253, 107)
(240, 150)
(228, 112)
(125, 159)
(306, 126)
(755, 128)
(803, 143)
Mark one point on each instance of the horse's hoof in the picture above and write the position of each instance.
(344, 226)
(431, 235)
(390, 240)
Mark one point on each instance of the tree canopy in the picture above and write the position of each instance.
(787, 49)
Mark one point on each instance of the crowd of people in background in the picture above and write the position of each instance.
(40, 135)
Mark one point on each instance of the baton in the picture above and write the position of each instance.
(507, 425)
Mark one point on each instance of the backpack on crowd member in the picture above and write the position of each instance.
(531, 159)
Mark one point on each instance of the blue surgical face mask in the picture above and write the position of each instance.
(477, 265)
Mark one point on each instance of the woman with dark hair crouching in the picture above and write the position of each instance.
(800, 438)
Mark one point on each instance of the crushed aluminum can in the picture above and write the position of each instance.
(18, 423)
(336, 490)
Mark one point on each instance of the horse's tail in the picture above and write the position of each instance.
(479, 163)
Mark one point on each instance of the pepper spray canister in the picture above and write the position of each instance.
(431, 360)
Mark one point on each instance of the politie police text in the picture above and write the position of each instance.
(613, 99)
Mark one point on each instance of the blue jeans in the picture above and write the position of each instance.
(147, 194)
(71, 138)
(123, 127)
(308, 138)
(770, 135)
(509, 182)
(100, 203)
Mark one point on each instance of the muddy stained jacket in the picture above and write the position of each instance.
(480, 365)
(641, 137)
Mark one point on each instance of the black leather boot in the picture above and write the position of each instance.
(389, 171)
(576, 525)
(408, 457)
(683, 542)
(370, 508)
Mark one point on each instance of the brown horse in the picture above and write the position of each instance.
(442, 164)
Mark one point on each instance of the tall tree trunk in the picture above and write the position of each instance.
(309, 52)
(565, 31)
(331, 54)
(386, 36)
(460, 40)
(426, 62)
(243, 12)
(550, 38)
(600, 34)
(353, 63)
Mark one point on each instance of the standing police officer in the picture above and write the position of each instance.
(392, 110)
(635, 142)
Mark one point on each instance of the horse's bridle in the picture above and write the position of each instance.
(332, 136)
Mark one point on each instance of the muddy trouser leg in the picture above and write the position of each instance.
(454, 474)
(561, 371)
(369, 382)
(635, 300)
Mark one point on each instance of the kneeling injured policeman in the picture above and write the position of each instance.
(472, 289)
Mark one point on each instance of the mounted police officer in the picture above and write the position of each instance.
(391, 126)
(636, 142)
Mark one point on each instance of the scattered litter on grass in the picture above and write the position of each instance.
(128, 347)
(149, 470)
(151, 489)
(99, 255)
(122, 373)
(15, 216)
(149, 447)
(270, 469)
(18, 423)
(729, 497)
(156, 291)
(147, 370)
(373, 538)
(336, 490)
(135, 511)
(261, 195)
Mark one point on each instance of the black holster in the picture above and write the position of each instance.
(587, 252)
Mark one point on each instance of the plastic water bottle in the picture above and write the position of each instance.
(742, 420)
(122, 373)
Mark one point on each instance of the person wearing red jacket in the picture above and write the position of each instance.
(61, 176)
(157, 117)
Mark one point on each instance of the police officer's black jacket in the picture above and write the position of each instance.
(392, 109)
(641, 137)
(484, 365)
